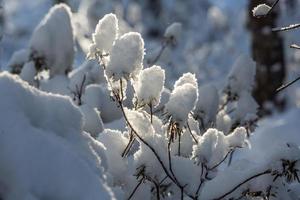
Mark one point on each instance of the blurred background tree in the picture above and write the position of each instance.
(268, 52)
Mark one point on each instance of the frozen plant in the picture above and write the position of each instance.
(182, 150)
(126, 57)
(149, 86)
(157, 145)
(50, 48)
(105, 34)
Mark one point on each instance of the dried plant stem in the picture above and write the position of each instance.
(191, 133)
(273, 6)
(135, 189)
(163, 47)
(129, 145)
(287, 28)
(268, 171)
(288, 84)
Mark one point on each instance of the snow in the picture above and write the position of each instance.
(182, 101)
(268, 145)
(238, 138)
(173, 32)
(246, 106)
(58, 84)
(150, 85)
(207, 105)
(56, 158)
(97, 96)
(165, 95)
(91, 70)
(241, 77)
(126, 59)
(261, 10)
(140, 122)
(92, 122)
(53, 40)
(28, 72)
(18, 59)
(115, 142)
(187, 78)
(105, 34)
(47, 143)
(214, 145)
(224, 122)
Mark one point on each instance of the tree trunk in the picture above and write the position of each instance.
(268, 52)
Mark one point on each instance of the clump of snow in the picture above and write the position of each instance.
(43, 151)
(144, 157)
(165, 95)
(91, 70)
(224, 122)
(261, 10)
(207, 105)
(150, 85)
(105, 34)
(238, 138)
(97, 96)
(241, 77)
(53, 40)
(126, 59)
(182, 101)
(140, 122)
(246, 106)
(187, 78)
(173, 32)
(214, 145)
(191, 179)
(115, 142)
(217, 18)
(18, 59)
(28, 72)
(58, 84)
(92, 122)
(186, 144)
(203, 152)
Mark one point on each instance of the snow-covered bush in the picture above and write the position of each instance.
(190, 143)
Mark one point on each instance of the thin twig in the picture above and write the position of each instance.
(240, 184)
(273, 6)
(201, 181)
(157, 190)
(190, 131)
(287, 85)
(290, 27)
(151, 112)
(163, 47)
(179, 142)
(134, 190)
(163, 180)
(128, 146)
(219, 163)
